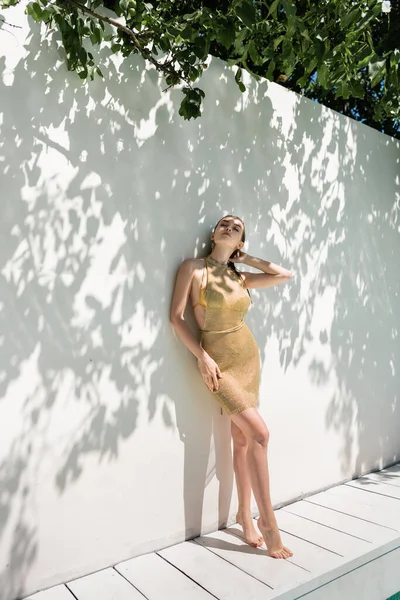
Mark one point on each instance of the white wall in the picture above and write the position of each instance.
(110, 446)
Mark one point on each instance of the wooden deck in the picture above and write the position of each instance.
(346, 544)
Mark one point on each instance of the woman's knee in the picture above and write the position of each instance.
(259, 436)
(252, 426)
(239, 439)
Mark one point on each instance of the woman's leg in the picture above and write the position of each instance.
(253, 427)
(243, 485)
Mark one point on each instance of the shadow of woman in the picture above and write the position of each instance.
(206, 436)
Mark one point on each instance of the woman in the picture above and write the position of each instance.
(228, 360)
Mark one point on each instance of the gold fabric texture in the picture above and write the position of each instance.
(228, 340)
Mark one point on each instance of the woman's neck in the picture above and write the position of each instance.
(221, 256)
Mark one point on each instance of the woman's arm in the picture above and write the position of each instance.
(179, 300)
(209, 369)
(272, 274)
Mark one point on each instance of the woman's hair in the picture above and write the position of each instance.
(231, 264)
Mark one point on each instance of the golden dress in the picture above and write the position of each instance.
(227, 338)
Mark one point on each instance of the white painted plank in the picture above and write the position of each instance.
(309, 556)
(157, 579)
(335, 541)
(376, 487)
(229, 544)
(219, 577)
(394, 471)
(370, 532)
(104, 585)
(59, 592)
(362, 496)
(350, 503)
(385, 477)
(375, 580)
(359, 496)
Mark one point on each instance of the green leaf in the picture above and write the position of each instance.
(238, 79)
(188, 33)
(191, 104)
(252, 73)
(302, 82)
(369, 16)
(273, 9)
(319, 49)
(288, 7)
(350, 17)
(173, 31)
(35, 11)
(254, 54)
(357, 89)
(98, 34)
(240, 38)
(322, 76)
(378, 112)
(226, 36)
(191, 16)
(82, 55)
(247, 13)
(194, 74)
(286, 48)
(232, 62)
(376, 70)
(363, 56)
(345, 90)
(310, 66)
(270, 72)
(201, 47)
(291, 26)
(124, 5)
(277, 41)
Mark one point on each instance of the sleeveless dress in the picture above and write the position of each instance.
(226, 337)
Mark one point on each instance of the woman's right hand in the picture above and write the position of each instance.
(209, 371)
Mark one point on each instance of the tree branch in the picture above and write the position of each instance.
(166, 69)
(10, 24)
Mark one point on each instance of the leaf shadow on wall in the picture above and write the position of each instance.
(93, 331)
(89, 261)
(353, 233)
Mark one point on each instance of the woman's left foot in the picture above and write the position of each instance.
(273, 541)
(251, 536)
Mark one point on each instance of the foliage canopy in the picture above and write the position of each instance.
(342, 53)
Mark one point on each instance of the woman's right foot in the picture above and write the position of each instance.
(273, 541)
(251, 536)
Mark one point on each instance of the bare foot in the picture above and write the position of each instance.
(273, 541)
(251, 536)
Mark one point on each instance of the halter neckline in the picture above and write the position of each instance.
(216, 262)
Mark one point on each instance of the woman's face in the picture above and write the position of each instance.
(229, 231)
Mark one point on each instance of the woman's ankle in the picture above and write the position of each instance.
(244, 514)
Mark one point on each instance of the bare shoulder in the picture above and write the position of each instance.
(191, 265)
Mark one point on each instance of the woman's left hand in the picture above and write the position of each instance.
(239, 257)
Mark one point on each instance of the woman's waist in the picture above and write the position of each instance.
(227, 328)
